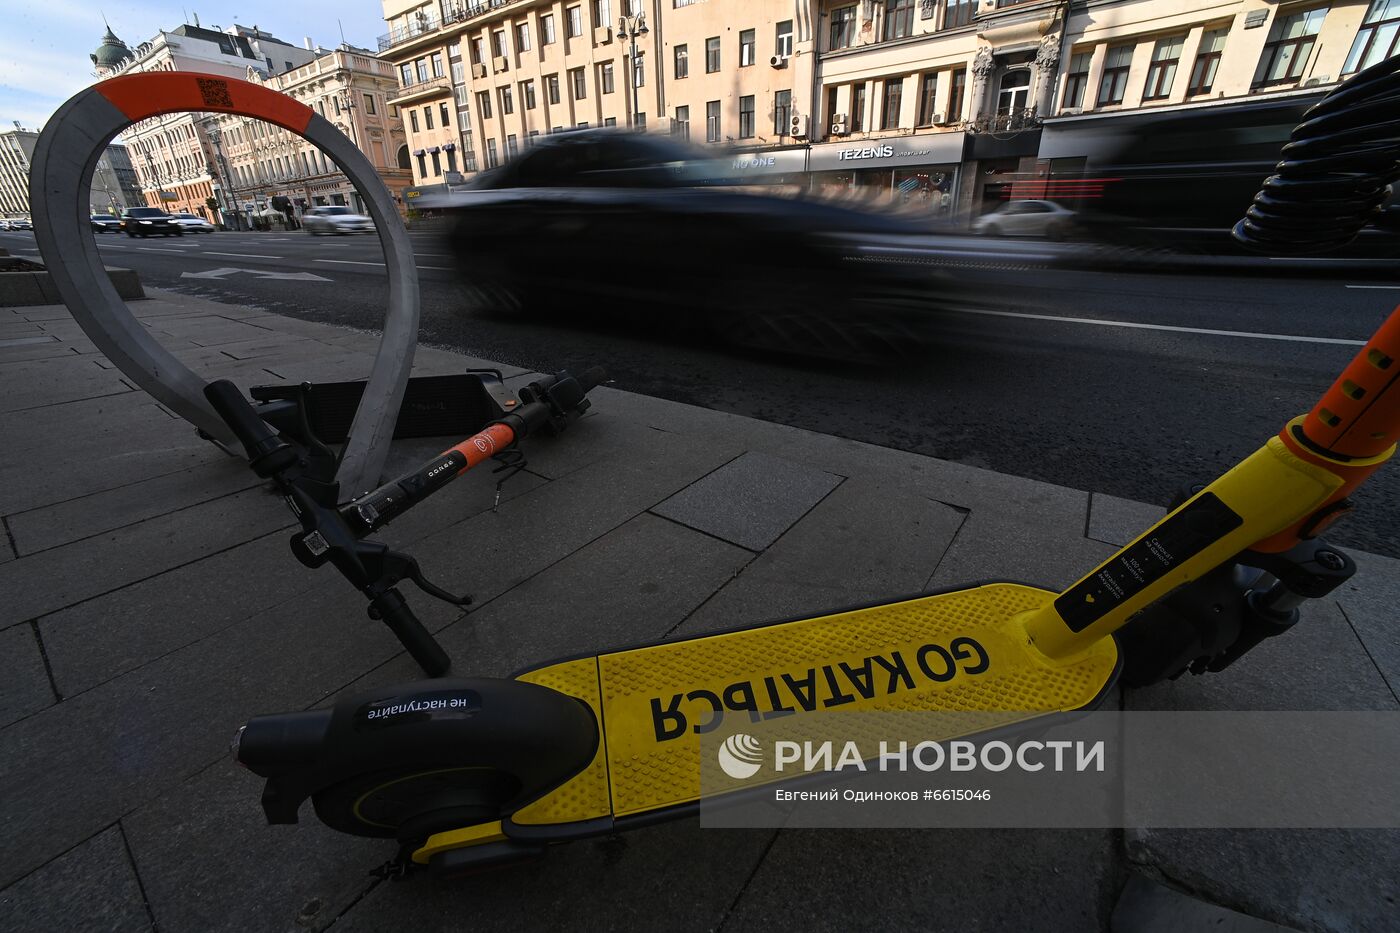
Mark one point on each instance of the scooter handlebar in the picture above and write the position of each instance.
(267, 453)
(1359, 416)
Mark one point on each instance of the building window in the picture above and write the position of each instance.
(682, 61)
(580, 83)
(451, 160)
(437, 164)
(512, 146)
(608, 121)
(899, 19)
(957, 90)
(491, 159)
(422, 165)
(746, 44)
(1289, 47)
(843, 27)
(406, 75)
(831, 105)
(575, 14)
(478, 50)
(681, 127)
(437, 65)
(957, 13)
(483, 104)
(712, 121)
(782, 41)
(422, 69)
(551, 87)
(1076, 79)
(547, 36)
(369, 104)
(413, 120)
(641, 121)
(712, 55)
(1207, 62)
(1166, 55)
(894, 96)
(605, 77)
(522, 37)
(442, 112)
(527, 92)
(857, 108)
(928, 96)
(336, 102)
(1115, 75)
(782, 113)
(498, 43)
(602, 13)
(746, 129)
(428, 117)
(639, 74)
(507, 100)
(468, 159)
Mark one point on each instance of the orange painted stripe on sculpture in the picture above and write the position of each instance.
(484, 444)
(153, 93)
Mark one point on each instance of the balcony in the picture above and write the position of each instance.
(432, 87)
(425, 24)
(1005, 121)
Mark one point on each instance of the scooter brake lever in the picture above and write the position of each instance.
(409, 570)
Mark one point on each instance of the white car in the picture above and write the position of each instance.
(1027, 218)
(335, 219)
(193, 223)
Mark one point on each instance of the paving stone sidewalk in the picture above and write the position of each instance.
(150, 606)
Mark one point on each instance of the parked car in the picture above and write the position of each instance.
(1027, 218)
(193, 223)
(145, 221)
(335, 219)
(20, 223)
(4, 225)
(106, 223)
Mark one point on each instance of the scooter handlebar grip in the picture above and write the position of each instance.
(258, 439)
(592, 377)
(421, 645)
(1359, 417)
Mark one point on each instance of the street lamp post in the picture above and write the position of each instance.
(347, 103)
(228, 188)
(632, 27)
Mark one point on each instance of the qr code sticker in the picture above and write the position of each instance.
(214, 92)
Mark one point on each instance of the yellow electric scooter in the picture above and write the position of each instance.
(471, 772)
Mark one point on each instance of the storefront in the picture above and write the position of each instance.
(918, 173)
(784, 167)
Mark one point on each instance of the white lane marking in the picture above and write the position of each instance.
(210, 252)
(1298, 338)
(358, 262)
(113, 246)
(1373, 286)
(159, 249)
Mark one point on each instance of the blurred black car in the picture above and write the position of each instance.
(145, 221)
(105, 223)
(650, 229)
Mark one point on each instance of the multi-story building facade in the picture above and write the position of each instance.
(113, 184)
(940, 104)
(478, 81)
(172, 155)
(259, 162)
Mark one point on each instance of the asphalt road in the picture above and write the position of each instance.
(1118, 383)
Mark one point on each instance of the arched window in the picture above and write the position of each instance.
(403, 158)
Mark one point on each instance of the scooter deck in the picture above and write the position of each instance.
(961, 651)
